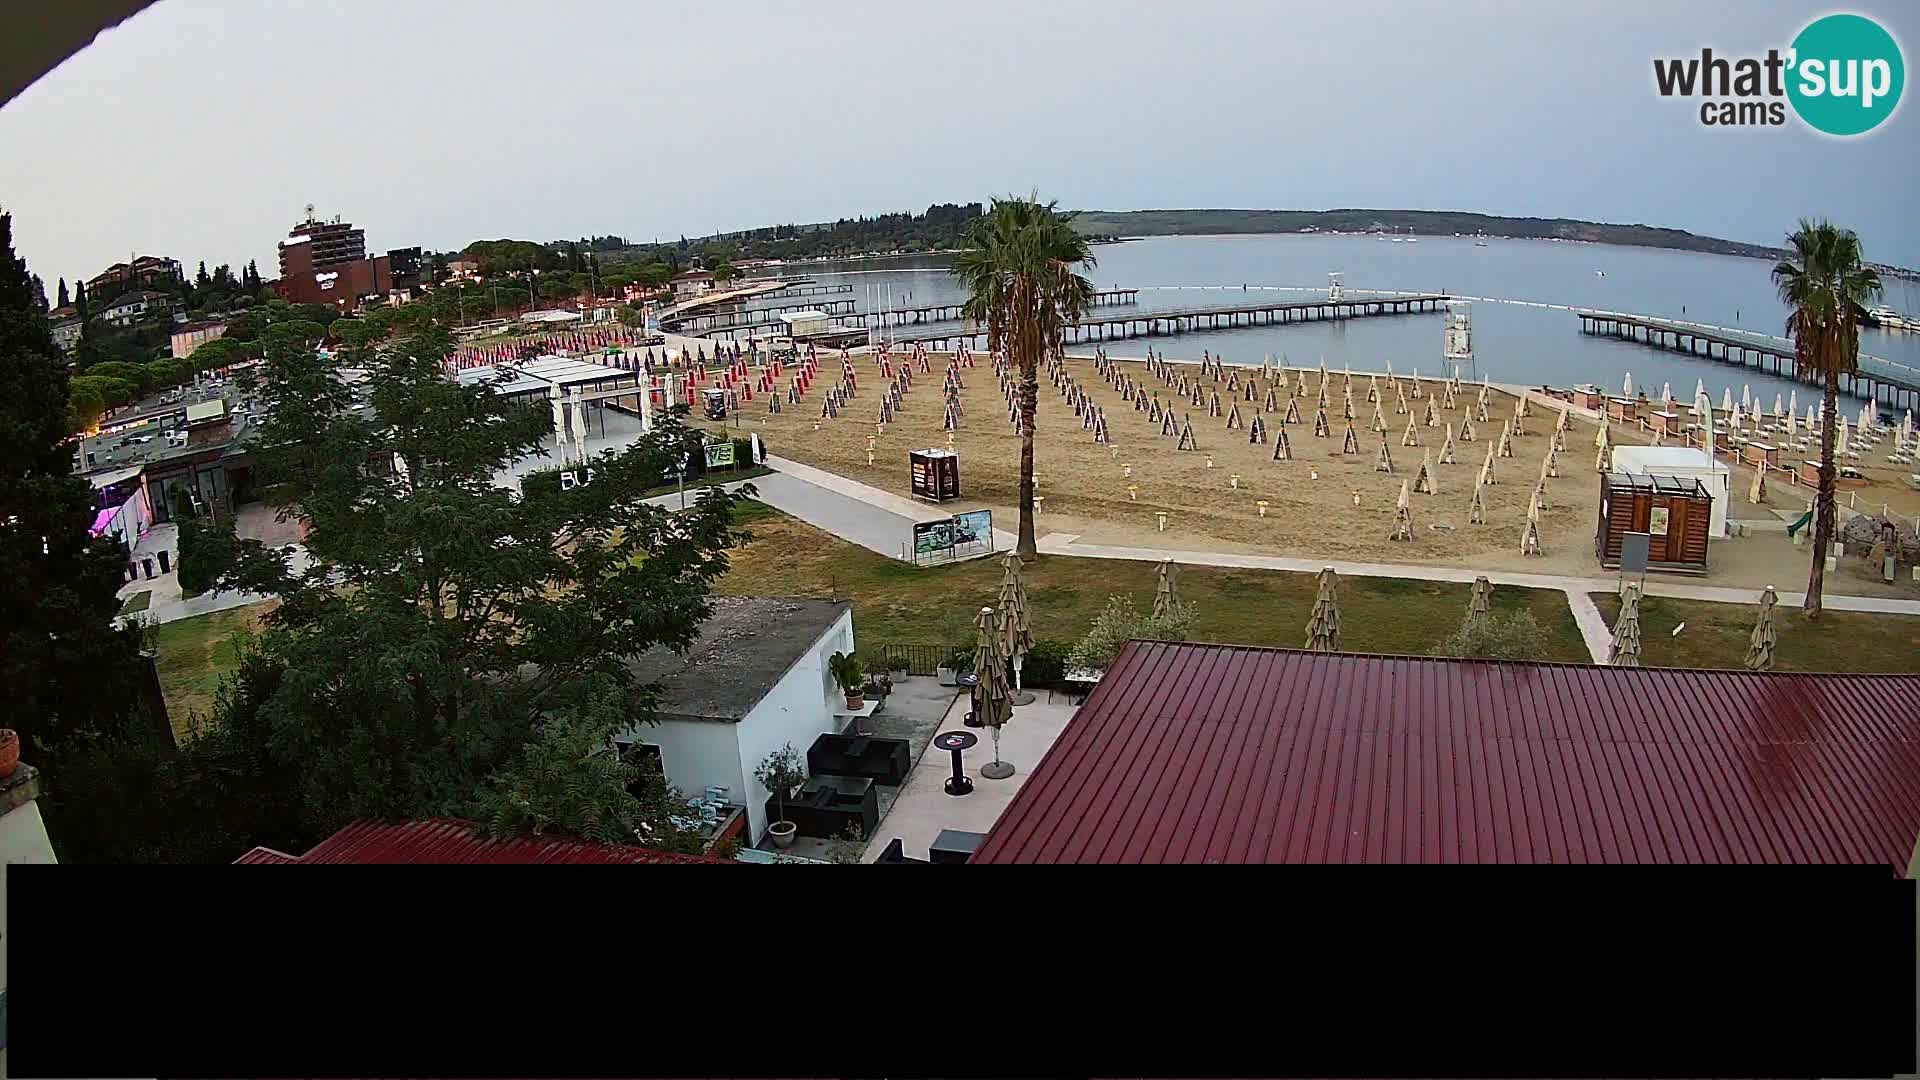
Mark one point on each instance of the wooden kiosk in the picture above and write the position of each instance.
(936, 474)
(1675, 511)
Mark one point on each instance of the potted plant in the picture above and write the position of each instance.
(851, 674)
(780, 773)
(9, 752)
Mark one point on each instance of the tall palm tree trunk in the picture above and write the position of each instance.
(1028, 548)
(1823, 509)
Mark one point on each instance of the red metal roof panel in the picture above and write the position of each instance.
(448, 840)
(1210, 753)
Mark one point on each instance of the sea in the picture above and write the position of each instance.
(1524, 330)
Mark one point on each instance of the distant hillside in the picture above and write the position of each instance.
(1115, 223)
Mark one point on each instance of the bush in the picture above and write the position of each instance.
(1511, 636)
(743, 454)
(1121, 623)
(206, 551)
(1046, 665)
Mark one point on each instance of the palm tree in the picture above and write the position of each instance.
(1826, 287)
(1021, 270)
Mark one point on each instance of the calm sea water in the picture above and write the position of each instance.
(1512, 342)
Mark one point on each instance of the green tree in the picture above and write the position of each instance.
(471, 616)
(1513, 635)
(1120, 623)
(1825, 286)
(67, 667)
(135, 374)
(167, 372)
(572, 778)
(1021, 272)
(724, 271)
(64, 300)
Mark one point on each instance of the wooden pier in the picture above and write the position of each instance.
(812, 290)
(1875, 378)
(1112, 327)
(939, 313)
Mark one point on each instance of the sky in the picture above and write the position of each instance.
(201, 129)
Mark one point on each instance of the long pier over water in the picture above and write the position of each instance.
(1875, 378)
(1114, 326)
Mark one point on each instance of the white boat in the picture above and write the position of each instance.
(1599, 273)
(1889, 319)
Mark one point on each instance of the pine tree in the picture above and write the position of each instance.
(80, 298)
(64, 298)
(67, 667)
(37, 293)
(201, 280)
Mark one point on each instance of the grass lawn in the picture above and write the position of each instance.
(195, 654)
(137, 602)
(899, 604)
(1716, 636)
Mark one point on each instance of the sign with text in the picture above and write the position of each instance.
(573, 478)
(719, 455)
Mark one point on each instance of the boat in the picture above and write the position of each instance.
(1888, 319)
(1599, 273)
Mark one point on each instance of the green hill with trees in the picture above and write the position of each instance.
(1113, 224)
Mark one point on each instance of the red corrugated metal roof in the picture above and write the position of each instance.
(1211, 753)
(448, 840)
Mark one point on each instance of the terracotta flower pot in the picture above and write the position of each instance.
(856, 700)
(9, 752)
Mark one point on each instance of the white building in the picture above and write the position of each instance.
(125, 310)
(691, 283)
(1686, 463)
(755, 681)
(803, 323)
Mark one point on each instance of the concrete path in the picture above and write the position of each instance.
(870, 526)
(1593, 629)
(901, 512)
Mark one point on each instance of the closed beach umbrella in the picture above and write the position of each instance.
(1726, 399)
(1165, 597)
(1625, 651)
(992, 701)
(1014, 631)
(1323, 627)
(1626, 385)
(1793, 402)
(1480, 600)
(1765, 636)
(1699, 389)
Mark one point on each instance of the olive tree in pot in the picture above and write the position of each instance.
(851, 674)
(780, 773)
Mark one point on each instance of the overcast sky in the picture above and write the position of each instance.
(201, 128)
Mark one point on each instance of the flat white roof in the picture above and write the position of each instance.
(549, 316)
(792, 317)
(541, 374)
(206, 410)
(1664, 459)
